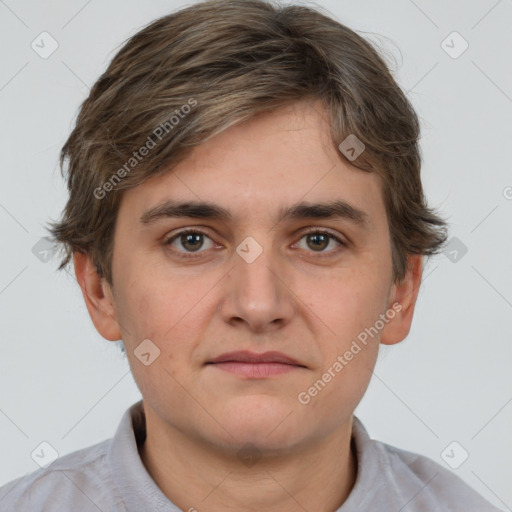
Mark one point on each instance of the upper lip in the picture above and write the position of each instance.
(244, 356)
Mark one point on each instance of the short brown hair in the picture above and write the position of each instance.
(213, 65)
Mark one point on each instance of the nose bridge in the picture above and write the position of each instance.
(257, 293)
(255, 270)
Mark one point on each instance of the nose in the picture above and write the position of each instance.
(258, 293)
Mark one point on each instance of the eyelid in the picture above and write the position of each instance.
(334, 234)
(183, 231)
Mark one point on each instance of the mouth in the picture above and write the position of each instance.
(254, 365)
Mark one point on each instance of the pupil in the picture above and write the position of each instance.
(316, 237)
(191, 238)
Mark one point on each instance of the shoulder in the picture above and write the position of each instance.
(426, 484)
(389, 478)
(79, 481)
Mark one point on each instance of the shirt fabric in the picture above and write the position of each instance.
(110, 477)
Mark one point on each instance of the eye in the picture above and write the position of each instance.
(319, 240)
(192, 240)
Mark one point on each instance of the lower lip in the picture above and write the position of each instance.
(255, 370)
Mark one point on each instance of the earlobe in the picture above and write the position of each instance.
(98, 297)
(403, 300)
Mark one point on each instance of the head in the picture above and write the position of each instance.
(279, 137)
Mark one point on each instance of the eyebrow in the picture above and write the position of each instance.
(205, 210)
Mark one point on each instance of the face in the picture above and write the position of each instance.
(266, 276)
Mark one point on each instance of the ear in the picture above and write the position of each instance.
(98, 297)
(403, 294)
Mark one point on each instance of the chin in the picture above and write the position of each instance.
(261, 422)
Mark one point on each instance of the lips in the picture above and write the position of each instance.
(245, 356)
(251, 365)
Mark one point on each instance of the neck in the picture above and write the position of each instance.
(196, 477)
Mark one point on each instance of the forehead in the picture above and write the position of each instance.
(264, 165)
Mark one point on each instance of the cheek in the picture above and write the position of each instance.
(351, 309)
(347, 305)
(151, 305)
(157, 314)
(172, 316)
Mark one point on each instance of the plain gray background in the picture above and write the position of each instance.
(449, 381)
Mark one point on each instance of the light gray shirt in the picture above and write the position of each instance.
(110, 477)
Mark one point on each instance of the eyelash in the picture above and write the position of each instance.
(314, 231)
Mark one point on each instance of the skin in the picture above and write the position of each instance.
(289, 299)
